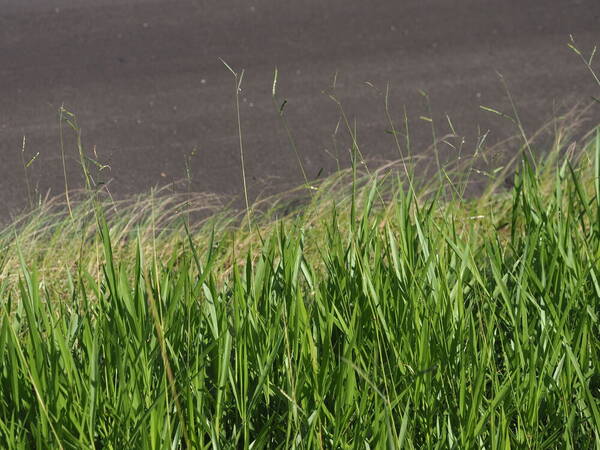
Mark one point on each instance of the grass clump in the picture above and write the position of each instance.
(373, 317)
(374, 313)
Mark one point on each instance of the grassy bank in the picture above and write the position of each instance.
(373, 316)
(368, 310)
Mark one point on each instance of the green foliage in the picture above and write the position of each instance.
(382, 320)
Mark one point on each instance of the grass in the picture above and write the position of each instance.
(379, 314)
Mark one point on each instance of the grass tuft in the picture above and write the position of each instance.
(369, 315)
(371, 310)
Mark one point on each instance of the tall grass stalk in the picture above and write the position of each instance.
(238, 78)
(280, 107)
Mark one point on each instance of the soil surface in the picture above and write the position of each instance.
(145, 80)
